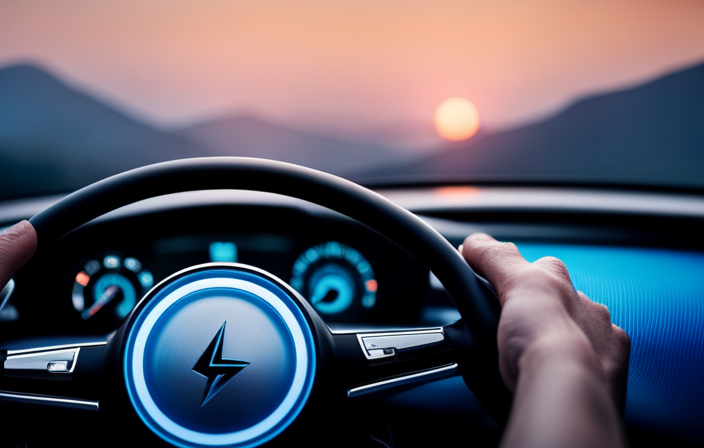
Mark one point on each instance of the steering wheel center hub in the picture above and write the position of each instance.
(219, 355)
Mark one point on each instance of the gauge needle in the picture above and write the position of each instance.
(110, 293)
(329, 296)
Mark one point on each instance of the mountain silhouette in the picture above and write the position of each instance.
(245, 135)
(55, 138)
(413, 136)
(649, 134)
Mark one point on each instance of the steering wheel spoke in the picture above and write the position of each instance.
(385, 361)
(63, 375)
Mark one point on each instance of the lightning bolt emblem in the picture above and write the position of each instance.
(218, 370)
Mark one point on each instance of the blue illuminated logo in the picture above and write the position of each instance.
(218, 370)
(259, 404)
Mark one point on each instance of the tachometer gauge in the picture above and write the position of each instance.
(106, 290)
(336, 279)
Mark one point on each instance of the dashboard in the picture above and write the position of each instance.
(640, 253)
(349, 274)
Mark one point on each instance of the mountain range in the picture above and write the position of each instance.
(249, 136)
(649, 134)
(54, 137)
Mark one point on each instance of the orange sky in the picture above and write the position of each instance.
(352, 62)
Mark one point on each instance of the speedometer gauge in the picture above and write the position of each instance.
(336, 279)
(106, 290)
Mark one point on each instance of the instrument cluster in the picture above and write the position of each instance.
(348, 273)
(335, 278)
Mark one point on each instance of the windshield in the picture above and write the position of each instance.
(599, 92)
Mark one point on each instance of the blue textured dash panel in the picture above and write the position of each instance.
(657, 296)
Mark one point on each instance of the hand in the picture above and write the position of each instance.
(552, 338)
(17, 245)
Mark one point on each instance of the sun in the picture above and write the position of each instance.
(456, 119)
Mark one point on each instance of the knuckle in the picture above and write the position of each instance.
(621, 336)
(510, 247)
(554, 265)
(601, 313)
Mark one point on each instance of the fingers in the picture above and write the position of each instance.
(17, 245)
(611, 344)
(539, 304)
(495, 261)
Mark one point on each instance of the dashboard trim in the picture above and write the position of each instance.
(49, 400)
(415, 379)
(457, 198)
(55, 347)
(534, 199)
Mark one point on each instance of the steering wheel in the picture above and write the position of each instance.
(168, 364)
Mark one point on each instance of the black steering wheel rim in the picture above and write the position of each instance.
(474, 302)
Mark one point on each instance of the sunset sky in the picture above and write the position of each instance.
(353, 62)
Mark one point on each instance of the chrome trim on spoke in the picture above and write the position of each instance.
(386, 345)
(47, 400)
(58, 359)
(336, 330)
(415, 379)
(6, 292)
(52, 361)
(56, 347)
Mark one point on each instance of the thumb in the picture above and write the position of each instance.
(17, 245)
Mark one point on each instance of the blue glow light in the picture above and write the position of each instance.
(657, 297)
(112, 262)
(331, 280)
(129, 295)
(332, 276)
(133, 264)
(223, 252)
(146, 279)
(165, 304)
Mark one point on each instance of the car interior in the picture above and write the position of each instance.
(386, 336)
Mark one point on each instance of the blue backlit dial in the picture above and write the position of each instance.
(106, 290)
(336, 279)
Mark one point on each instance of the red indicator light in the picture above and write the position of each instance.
(82, 278)
(371, 285)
